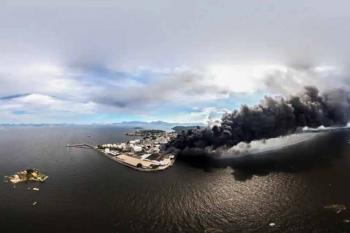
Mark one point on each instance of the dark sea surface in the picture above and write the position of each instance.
(87, 192)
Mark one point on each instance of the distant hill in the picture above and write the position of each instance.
(162, 125)
(155, 124)
(179, 129)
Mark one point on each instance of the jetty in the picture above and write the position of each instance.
(84, 146)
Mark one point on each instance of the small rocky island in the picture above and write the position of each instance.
(27, 175)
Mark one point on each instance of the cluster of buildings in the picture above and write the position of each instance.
(146, 152)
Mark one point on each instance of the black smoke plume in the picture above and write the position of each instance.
(271, 118)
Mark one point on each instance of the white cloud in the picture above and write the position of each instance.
(58, 89)
(38, 108)
(241, 78)
(37, 78)
(207, 115)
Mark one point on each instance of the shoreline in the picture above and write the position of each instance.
(128, 164)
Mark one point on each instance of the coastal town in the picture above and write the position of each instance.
(145, 153)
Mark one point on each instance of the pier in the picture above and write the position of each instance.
(84, 146)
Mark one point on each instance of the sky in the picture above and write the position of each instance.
(100, 61)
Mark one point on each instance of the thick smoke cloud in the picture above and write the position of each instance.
(273, 117)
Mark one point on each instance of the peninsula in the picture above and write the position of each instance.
(147, 153)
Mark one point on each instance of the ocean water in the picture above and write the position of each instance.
(87, 192)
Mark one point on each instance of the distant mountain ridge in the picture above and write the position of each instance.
(179, 129)
(141, 124)
(156, 124)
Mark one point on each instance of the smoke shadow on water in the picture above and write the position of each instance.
(315, 153)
